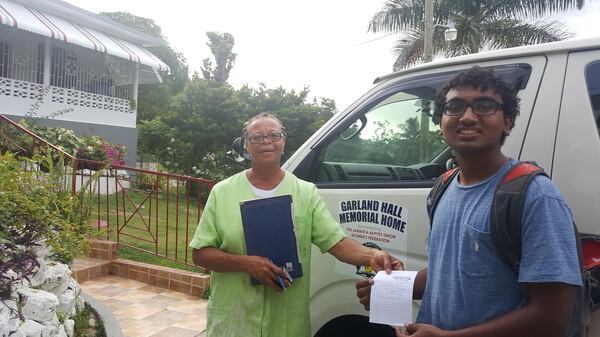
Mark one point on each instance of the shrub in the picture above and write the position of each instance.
(64, 139)
(91, 149)
(115, 153)
(36, 207)
(87, 147)
(148, 181)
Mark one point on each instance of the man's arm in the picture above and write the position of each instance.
(350, 251)
(546, 314)
(419, 286)
(261, 268)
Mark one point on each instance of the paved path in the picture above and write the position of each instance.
(146, 311)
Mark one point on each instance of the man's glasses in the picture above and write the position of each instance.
(481, 107)
(273, 137)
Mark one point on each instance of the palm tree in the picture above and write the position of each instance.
(481, 24)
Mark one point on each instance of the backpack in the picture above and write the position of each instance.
(505, 228)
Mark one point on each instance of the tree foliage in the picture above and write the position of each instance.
(221, 47)
(187, 125)
(481, 24)
(153, 100)
(207, 117)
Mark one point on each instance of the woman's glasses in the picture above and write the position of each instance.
(480, 106)
(272, 136)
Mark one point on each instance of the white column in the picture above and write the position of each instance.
(47, 61)
(136, 81)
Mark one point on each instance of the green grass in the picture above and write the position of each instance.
(171, 240)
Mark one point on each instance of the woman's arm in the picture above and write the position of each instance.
(350, 251)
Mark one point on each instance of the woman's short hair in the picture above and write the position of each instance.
(259, 116)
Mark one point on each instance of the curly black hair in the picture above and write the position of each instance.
(482, 79)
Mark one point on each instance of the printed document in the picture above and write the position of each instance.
(391, 297)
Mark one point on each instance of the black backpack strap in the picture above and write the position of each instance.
(439, 187)
(507, 211)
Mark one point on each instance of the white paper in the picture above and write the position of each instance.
(391, 297)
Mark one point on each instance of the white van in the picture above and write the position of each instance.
(374, 163)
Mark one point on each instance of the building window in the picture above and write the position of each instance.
(5, 59)
(40, 62)
(74, 68)
(64, 68)
(20, 57)
(92, 72)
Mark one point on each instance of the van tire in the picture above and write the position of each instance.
(354, 326)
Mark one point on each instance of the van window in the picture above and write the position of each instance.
(393, 139)
(593, 83)
(386, 142)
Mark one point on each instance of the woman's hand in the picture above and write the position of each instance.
(382, 260)
(262, 269)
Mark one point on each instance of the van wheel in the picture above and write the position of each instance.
(354, 326)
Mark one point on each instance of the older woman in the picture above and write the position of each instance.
(236, 308)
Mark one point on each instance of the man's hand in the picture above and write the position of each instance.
(262, 269)
(382, 260)
(420, 330)
(363, 292)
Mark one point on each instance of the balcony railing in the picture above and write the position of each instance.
(146, 211)
(68, 97)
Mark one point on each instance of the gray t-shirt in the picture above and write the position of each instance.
(467, 282)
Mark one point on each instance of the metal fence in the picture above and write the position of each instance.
(148, 211)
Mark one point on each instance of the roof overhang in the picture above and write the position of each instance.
(21, 16)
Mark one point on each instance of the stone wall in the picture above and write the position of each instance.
(43, 306)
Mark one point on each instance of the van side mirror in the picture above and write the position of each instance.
(237, 153)
(355, 128)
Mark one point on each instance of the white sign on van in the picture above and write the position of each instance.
(374, 223)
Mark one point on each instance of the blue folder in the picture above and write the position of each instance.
(269, 232)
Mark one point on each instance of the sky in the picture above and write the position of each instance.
(323, 44)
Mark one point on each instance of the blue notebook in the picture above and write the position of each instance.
(269, 232)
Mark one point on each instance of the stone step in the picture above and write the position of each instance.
(187, 282)
(104, 260)
(85, 269)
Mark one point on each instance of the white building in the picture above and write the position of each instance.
(64, 57)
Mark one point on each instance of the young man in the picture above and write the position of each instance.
(467, 290)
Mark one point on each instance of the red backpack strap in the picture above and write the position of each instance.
(438, 189)
(507, 211)
(520, 169)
